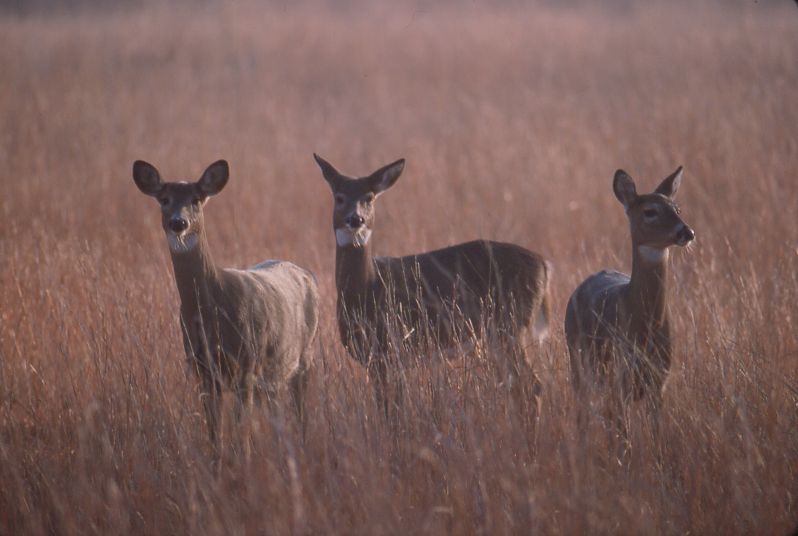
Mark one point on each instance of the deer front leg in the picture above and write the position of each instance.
(244, 404)
(655, 404)
(211, 389)
(212, 403)
(378, 375)
(617, 418)
(581, 389)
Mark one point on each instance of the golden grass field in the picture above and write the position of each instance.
(512, 118)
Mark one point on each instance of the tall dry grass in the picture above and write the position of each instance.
(513, 119)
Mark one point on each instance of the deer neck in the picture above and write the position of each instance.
(195, 274)
(355, 273)
(647, 288)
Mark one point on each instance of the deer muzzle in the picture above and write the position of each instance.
(684, 235)
(178, 225)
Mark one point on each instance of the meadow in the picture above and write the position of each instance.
(513, 118)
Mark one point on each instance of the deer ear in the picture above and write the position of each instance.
(330, 174)
(385, 177)
(624, 187)
(214, 178)
(670, 185)
(147, 177)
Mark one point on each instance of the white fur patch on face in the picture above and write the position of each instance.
(652, 254)
(182, 243)
(352, 237)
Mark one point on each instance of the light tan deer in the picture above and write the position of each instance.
(448, 295)
(250, 330)
(617, 326)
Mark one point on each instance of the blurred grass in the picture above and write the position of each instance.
(513, 119)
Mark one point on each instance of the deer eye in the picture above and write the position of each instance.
(649, 213)
(163, 201)
(339, 200)
(196, 201)
(368, 198)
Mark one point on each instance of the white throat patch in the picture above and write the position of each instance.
(183, 243)
(652, 254)
(352, 237)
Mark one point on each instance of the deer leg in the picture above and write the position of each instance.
(515, 370)
(526, 387)
(583, 412)
(398, 385)
(619, 429)
(581, 399)
(500, 359)
(211, 391)
(298, 389)
(614, 414)
(211, 401)
(378, 375)
(244, 404)
(624, 443)
(583, 386)
(620, 384)
(655, 402)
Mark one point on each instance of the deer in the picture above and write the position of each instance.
(249, 331)
(452, 295)
(617, 326)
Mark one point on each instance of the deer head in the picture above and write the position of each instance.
(181, 202)
(653, 218)
(354, 198)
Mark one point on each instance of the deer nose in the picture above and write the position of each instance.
(355, 221)
(685, 235)
(178, 225)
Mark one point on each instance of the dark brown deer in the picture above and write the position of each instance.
(250, 330)
(475, 289)
(617, 327)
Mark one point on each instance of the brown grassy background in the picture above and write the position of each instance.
(513, 119)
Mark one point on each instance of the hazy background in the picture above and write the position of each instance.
(513, 117)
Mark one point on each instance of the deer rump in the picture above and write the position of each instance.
(261, 319)
(601, 349)
(446, 298)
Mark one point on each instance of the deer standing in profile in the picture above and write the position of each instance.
(616, 326)
(478, 288)
(250, 330)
